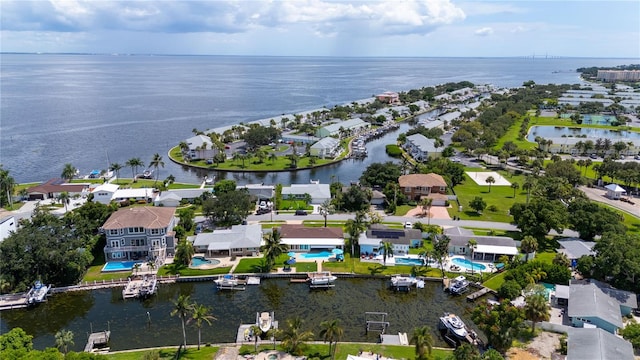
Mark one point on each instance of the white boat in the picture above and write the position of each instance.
(264, 321)
(38, 293)
(147, 174)
(459, 285)
(399, 281)
(455, 325)
(321, 279)
(229, 282)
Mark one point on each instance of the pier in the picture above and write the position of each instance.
(98, 342)
(479, 293)
(140, 287)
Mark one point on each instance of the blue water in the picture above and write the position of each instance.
(89, 110)
(468, 264)
(408, 261)
(316, 255)
(198, 261)
(557, 132)
(548, 288)
(594, 119)
(118, 266)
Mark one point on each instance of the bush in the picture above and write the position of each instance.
(509, 290)
(492, 208)
(393, 150)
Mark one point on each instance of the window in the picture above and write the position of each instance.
(155, 231)
(113, 232)
(136, 230)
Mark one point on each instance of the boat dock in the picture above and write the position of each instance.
(245, 336)
(376, 321)
(479, 293)
(140, 287)
(389, 339)
(98, 342)
(14, 301)
(253, 280)
(241, 285)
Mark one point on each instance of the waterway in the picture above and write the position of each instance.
(98, 310)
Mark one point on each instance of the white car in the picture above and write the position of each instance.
(408, 225)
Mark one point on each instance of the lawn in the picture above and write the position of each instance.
(185, 271)
(294, 205)
(500, 196)
(205, 352)
(402, 210)
(358, 267)
(248, 265)
(496, 281)
(94, 274)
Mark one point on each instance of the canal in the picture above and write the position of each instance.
(82, 312)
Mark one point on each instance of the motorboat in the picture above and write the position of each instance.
(37, 293)
(321, 279)
(459, 285)
(454, 325)
(400, 281)
(229, 282)
(147, 174)
(264, 321)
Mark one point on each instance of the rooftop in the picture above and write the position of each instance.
(597, 344)
(148, 217)
(421, 180)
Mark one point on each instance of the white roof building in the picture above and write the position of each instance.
(103, 193)
(240, 239)
(334, 129)
(325, 147)
(319, 192)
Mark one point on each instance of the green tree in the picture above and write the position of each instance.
(273, 247)
(64, 198)
(501, 323)
(472, 245)
(441, 250)
(201, 314)
(515, 186)
(539, 217)
(116, 167)
(380, 174)
(564, 169)
(331, 332)
(466, 352)
(15, 344)
(536, 309)
(326, 208)
(230, 208)
(184, 252)
(387, 250)
(478, 204)
(64, 339)
(590, 219)
(294, 337)
(617, 257)
(510, 290)
(182, 307)
(490, 180)
(631, 333)
(355, 199)
(561, 259)
(426, 204)
(134, 164)
(7, 184)
(354, 228)
(68, 172)
(423, 342)
(224, 186)
(273, 157)
(187, 215)
(257, 332)
(528, 245)
(156, 163)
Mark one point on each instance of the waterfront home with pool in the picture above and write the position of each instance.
(417, 186)
(312, 239)
(239, 240)
(594, 304)
(140, 233)
(488, 248)
(401, 239)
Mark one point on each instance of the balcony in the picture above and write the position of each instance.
(110, 249)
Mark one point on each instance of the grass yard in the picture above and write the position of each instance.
(496, 281)
(402, 210)
(185, 271)
(545, 256)
(205, 352)
(321, 351)
(294, 205)
(501, 197)
(94, 274)
(631, 222)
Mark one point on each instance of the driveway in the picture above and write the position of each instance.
(598, 195)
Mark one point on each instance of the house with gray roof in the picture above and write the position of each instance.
(590, 306)
(488, 248)
(576, 248)
(174, 197)
(402, 239)
(351, 125)
(319, 192)
(421, 148)
(200, 147)
(239, 240)
(325, 147)
(597, 344)
(260, 191)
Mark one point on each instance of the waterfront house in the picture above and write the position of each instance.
(145, 195)
(401, 239)
(167, 198)
(351, 126)
(326, 147)
(575, 248)
(416, 186)
(319, 192)
(304, 239)
(597, 344)
(388, 97)
(200, 147)
(593, 303)
(299, 139)
(140, 233)
(54, 187)
(103, 193)
(488, 248)
(449, 117)
(175, 197)
(239, 240)
(421, 104)
(421, 147)
(7, 224)
(259, 191)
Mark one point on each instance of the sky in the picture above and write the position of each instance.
(407, 28)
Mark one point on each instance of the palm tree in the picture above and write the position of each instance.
(182, 307)
(200, 314)
(472, 247)
(331, 332)
(134, 164)
(183, 146)
(136, 268)
(294, 157)
(184, 252)
(272, 247)
(354, 227)
(257, 332)
(529, 182)
(156, 162)
(273, 157)
(68, 172)
(170, 179)
(64, 339)
(528, 245)
(293, 337)
(515, 186)
(490, 180)
(426, 204)
(536, 309)
(423, 341)
(64, 198)
(326, 208)
(387, 250)
(115, 167)
(151, 265)
(561, 259)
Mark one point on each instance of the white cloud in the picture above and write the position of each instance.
(485, 31)
(490, 8)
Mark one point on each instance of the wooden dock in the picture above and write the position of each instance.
(98, 341)
(479, 293)
(298, 280)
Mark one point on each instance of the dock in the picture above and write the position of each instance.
(140, 287)
(98, 342)
(253, 280)
(389, 339)
(479, 293)
(14, 301)
(376, 321)
(298, 280)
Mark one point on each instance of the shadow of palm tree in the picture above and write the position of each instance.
(376, 269)
(262, 267)
(174, 269)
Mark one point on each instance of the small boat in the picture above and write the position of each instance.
(459, 285)
(230, 282)
(38, 293)
(209, 180)
(264, 321)
(321, 279)
(147, 174)
(454, 325)
(399, 281)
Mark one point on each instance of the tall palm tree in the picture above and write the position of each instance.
(529, 183)
(426, 204)
(472, 247)
(134, 164)
(331, 332)
(184, 252)
(294, 337)
(257, 332)
(387, 250)
(354, 228)
(528, 245)
(116, 167)
(156, 162)
(64, 198)
(490, 180)
(273, 157)
(136, 268)
(182, 307)
(536, 309)
(515, 186)
(326, 208)
(64, 339)
(423, 342)
(273, 247)
(68, 172)
(151, 265)
(201, 314)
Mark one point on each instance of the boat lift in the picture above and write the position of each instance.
(376, 321)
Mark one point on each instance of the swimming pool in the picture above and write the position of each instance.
(468, 264)
(316, 255)
(548, 289)
(408, 261)
(118, 266)
(199, 261)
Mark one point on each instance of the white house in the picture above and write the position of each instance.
(104, 193)
(167, 198)
(326, 147)
(200, 147)
(240, 240)
(421, 147)
(303, 239)
(140, 194)
(319, 192)
(7, 224)
(488, 248)
(350, 125)
(260, 191)
(615, 191)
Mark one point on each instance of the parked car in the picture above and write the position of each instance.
(408, 225)
(593, 156)
(301, 212)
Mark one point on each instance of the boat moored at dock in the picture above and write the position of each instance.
(140, 287)
(264, 320)
(401, 282)
(38, 293)
(229, 282)
(322, 279)
(455, 331)
(459, 285)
